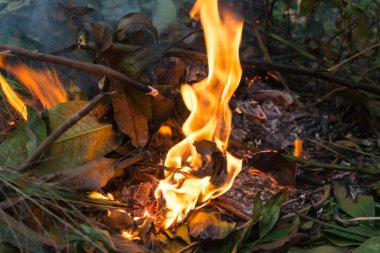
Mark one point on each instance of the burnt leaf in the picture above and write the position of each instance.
(129, 116)
(103, 36)
(209, 225)
(364, 206)
(162, 110)
(136, 29)
(271, 213)
(276, 165)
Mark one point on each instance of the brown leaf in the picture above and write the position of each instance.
(89, 177)
(136, 29)
(129, 117)
(103, 36)
(124, 245)
(119, 219)
(142, 194)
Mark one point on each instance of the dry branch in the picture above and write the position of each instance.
(66, 125)
(80, 65)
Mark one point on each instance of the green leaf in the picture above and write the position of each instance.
(85, 141)
(322, 249)
(340, 241)
(307, 5)
(164, 15)
(280, 232)
(95, 234)
(363, 207)
(18, 240)
(372, 245)
(35, 130)
(13, 150)
(271, 212)
(209, 225)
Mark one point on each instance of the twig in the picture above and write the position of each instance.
(83, 66)
(67, 124)
(232, 206)
(326, 96)
(343, 229)
(336, 67)
(174, 170)
(184, 53)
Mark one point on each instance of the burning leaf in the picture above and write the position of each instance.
(128, 115)
(136, 29)
(209, 225)
(210, 117)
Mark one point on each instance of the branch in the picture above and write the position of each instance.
(66, 125)
(80, 65)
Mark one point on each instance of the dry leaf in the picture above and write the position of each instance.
(129, 117)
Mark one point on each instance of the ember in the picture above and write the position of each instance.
(210, 117)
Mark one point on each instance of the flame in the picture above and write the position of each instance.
(97, 195)
(165, 131)
(43, 83)
(298, 150)
(210, 117)
(130, 235)
(13, 98)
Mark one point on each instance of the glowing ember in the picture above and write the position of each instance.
(262, 174)
(97, 195)
(13, 98)
(298, 148)
(210, 117)
(44, 84)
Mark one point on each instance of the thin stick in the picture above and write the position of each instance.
(183, 53)
(66, 125)
(189, 247)
(83, 66)
(336, 67)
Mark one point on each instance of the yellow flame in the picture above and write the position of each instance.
(165, 131)
(44, 84)
(13, 98)
(97, 195)
(210, 117)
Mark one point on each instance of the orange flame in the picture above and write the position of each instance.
(43, 83)
(298, 150)
(13, 98)
(263, 174)
(210, 117)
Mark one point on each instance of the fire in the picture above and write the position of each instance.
(210, 117)
(263, 174)
(13, 98)
(44, 84)
(298, 150)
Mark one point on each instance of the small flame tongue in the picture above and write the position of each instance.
(210, 117)
(43, 84)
